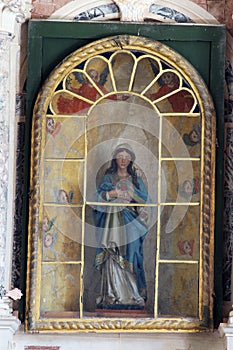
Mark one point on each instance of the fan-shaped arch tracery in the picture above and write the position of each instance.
(117, 76)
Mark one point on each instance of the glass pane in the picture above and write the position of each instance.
(178, 290)
(122, 64)
(147, 70)
(171, 93)
(181, 137)
(60, 140)
(119, 265)
(63, 182)
(60, 290)
(180, 233)
(103, 137)
(182, 180)
(62, 233)
(99, 64)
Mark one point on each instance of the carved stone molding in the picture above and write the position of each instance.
(133, 10)
(12, 12)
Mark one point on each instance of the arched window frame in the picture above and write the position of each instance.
(208, 142)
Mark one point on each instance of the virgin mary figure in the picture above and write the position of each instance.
(121, 226)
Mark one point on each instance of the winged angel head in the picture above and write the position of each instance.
(133, 10)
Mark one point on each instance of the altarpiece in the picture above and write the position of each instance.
(124, 99)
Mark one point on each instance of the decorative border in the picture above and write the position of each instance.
(207, 209)
(96, 12)
(161, 12)
(228, 190)
(121, 325)
(228, 204)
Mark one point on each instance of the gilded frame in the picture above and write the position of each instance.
(207, 205)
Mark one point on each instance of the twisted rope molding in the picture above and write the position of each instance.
(121, 325)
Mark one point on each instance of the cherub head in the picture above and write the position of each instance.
(189, 187)
(50, 125)
(170, 78)
(186, 247)
(45, 224)
(48, 240)
(193, 137)
(63, 196)
(93, 75)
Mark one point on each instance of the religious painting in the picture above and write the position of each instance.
(123, 135)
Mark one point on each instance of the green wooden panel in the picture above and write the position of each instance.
(54, 55)
(203, 46)
(194, 42)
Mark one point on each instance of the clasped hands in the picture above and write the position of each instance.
(125, 195)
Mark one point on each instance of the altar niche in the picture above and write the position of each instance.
(123, 170)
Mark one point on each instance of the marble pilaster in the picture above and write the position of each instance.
(12, 14)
